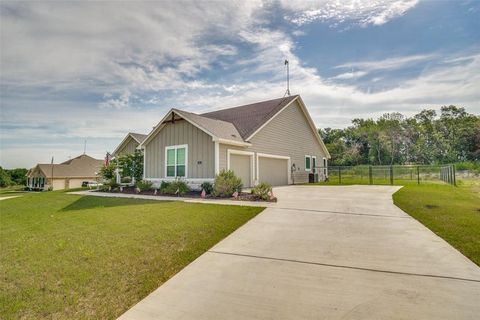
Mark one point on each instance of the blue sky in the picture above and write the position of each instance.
(72, 71)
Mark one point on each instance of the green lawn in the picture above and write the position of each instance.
(11, 191)
(453, 213)
(66, 256)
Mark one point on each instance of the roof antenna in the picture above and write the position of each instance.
(85, 146)
(288, 79)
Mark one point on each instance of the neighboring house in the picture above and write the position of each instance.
(66, 175)
(272, 141)
(129, 144)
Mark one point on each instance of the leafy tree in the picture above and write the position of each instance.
(108, 171)
(5, 180)
(425, 138)
(18, 176)
(131, 165)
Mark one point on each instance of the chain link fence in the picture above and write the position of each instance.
(387, 175)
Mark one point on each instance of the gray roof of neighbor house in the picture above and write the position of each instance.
(81, 166)
(249, 118)
(138, 136)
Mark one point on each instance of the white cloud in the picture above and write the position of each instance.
(350, 75)
(387, 64)
(367, 12)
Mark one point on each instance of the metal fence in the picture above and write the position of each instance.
(390, 175)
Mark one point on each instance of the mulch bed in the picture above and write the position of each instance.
(243, 196)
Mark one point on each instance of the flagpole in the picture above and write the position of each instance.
(52, 173)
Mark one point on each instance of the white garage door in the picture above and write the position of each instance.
(241, 165)
(273, 171)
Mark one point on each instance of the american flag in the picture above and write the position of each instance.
(108, 157)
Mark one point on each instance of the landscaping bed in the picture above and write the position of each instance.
(242, 196)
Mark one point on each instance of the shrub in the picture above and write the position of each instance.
(473, 166)
(164, 186)
(262, 191)
(226, 183)
(207, 186)
(104, 188)
(126, 179)
(144, 185)
(177, 187)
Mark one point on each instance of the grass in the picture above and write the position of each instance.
(67, 256)
(452, 213)
(11, 191)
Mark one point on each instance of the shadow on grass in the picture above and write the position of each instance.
(91, 202)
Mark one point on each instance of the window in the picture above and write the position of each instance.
(308, 163)
(325, 166)
(314, 164)
(176, 161)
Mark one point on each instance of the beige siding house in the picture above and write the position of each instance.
(272, 141)
(66, 175)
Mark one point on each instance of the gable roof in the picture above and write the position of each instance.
(238, 125)
(218, 128)
(250, 117)
(138, 137)
(81, 166)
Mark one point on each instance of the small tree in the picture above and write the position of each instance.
(108, 171)
(131, 165)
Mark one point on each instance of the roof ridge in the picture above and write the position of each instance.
(201, 115)
(249, 104)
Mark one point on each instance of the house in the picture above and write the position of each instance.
(129, 144)
(66, 175)
(273, 141)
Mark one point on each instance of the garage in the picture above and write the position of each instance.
(241, 164)
(273, 170)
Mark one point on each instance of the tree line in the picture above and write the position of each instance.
(11, 177)
(425, 138)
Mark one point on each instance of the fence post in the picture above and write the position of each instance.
(339, 176)
(418, 174)
(370, 178)
(391, 175)
(454, 175)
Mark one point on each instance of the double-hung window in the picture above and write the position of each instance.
(176, 161)
(308, 163)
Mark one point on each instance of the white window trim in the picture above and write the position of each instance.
(243, 153)
(273, 156)
(180, 146)
(325, 167)
(313, 166)
(217, 157)
(305, 162)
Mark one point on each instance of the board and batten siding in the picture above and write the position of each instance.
(201, 151)
(288, 134)
(128, 147)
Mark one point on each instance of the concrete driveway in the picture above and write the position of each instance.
(323, 253)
